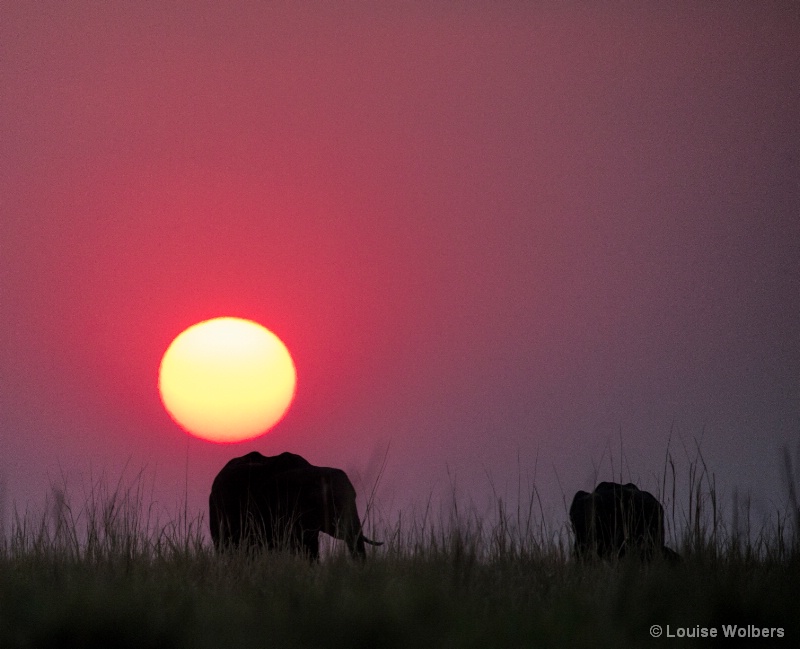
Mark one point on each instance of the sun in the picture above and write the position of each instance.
(227, 380)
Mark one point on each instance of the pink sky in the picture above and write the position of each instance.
(488, 233)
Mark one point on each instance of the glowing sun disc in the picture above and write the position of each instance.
(227, 380)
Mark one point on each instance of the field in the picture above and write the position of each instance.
(106, 573)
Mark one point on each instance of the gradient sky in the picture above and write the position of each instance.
(499, 238)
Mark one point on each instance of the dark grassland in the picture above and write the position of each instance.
(107, 574)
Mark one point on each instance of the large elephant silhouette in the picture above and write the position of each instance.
(283, 502)
(618, 520)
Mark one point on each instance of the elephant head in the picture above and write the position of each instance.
(283, 502)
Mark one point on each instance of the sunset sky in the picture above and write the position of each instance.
(497, 238)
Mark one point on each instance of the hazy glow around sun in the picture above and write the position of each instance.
(227, 379)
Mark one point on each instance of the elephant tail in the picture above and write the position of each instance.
(370, 541)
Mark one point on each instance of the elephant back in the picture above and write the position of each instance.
(267, 464)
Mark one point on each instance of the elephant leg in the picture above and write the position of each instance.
(311, 544)
(292, 539)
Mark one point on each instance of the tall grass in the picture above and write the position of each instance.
(112, 571)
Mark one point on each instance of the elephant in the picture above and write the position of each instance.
(618, 520)
(283, 502)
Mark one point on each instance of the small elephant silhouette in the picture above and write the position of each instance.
(616, 520)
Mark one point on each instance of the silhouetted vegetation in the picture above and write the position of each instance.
(107, 573)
